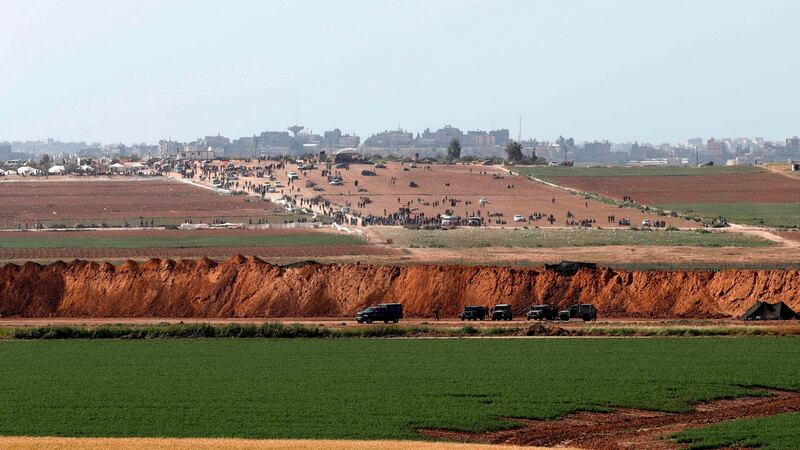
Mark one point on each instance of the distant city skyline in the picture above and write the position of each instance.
(618, 70)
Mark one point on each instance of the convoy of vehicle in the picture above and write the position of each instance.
(393, 312)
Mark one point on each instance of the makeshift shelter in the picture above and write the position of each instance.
(769, 311)
(346, 155)
(569, 268)
(57, 170)
(27, 170)
(116, 167)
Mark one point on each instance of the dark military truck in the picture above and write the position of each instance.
(474, 313)
(586, 312)
(385, 312)
(542, 312)
(502, 312)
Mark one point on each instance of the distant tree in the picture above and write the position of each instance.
(565, 144)
(454, 149)
(514, 151)
(45, 160)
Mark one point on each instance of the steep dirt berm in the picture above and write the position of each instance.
(249, 287)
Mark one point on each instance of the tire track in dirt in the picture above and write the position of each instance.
(625, 428)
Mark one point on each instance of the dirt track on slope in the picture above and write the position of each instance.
(628, 428)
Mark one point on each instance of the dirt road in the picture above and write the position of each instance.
(629, 428)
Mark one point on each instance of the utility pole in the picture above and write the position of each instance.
(519, 136)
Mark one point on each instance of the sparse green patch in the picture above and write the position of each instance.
(621, 171)
(761, 214)
(577, 237)
(184, 239)
(768, 433)
(363, 389)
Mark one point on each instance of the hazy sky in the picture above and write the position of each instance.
(660, 70)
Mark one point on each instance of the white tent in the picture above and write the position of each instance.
(87, 168)
(138, 166)
(57, 170)
(116, 166)
(27, 170)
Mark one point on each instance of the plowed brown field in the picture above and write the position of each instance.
(438, 184)
(755, 187)
(119, 199)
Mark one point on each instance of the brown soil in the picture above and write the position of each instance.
(628, 428)
(757, 187)
(250, 287)
(647, 256)
(461, 182)
(118, 199)
(157, 233)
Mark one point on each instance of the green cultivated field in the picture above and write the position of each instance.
(365, 389)
(768, 433)
(621, 171)
(184, 239)
(762, 214)
(578, 237)
(766, 214)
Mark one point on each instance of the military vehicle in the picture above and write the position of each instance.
(586, 312)
(502, 312)
(474, 313)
